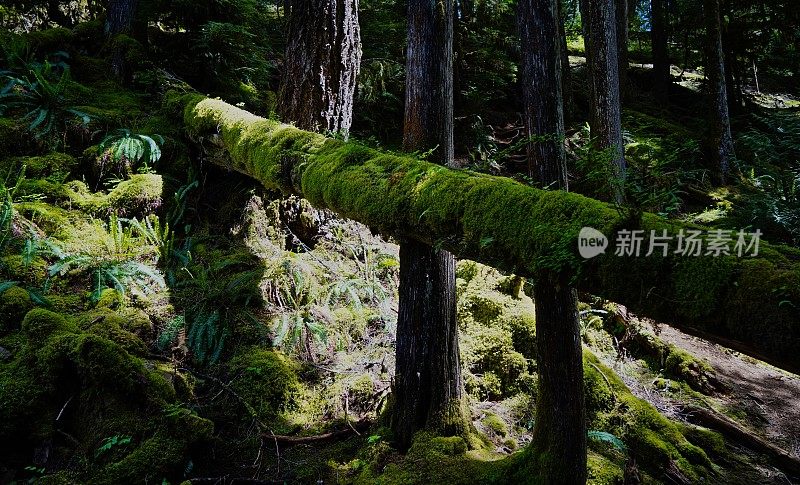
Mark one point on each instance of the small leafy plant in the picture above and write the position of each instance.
(132, 149)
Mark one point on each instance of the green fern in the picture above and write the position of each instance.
(125, 145)
(608, 438)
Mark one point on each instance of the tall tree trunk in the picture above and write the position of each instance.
(658, 32)
(428, 390)
(540, 75)
(621, 11)
(719, 141)
(566, 73)
(119, 19)
(323, 58)
(606, 114)
(559, 444)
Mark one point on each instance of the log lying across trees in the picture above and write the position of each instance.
(751, 303)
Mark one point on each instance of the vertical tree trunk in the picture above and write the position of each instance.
(119, 19)
(606, 116)
(658, 32)
(559, 437)
(622, 45)
(566, 73)
(540, 74)
(428, 390)
(323, 57)
(719, 141)
(559, 446)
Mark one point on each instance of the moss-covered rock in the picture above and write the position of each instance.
(15, 302)
(266, 380)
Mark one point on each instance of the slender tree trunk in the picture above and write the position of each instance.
(428, 390)
(658, 32)
(606, 114)
(566, 72)
(323, 58)
(559, 437)
(621, 11)
(559, 444)
(720, 141)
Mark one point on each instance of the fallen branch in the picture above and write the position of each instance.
(726, 426)
(357, 427)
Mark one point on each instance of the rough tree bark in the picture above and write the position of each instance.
(719, 140)
(540, 74)
(566, 73)
(606, 117)
(559, 445)
(658, 33)
(621, 10)
(428, 391)
(323, 58)
(119, 19)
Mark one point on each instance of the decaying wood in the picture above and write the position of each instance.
(354, 428)
(726, 426)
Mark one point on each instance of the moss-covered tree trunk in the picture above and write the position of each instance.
(323, 58)
(719, 140)
(428, 391)
(119, 19)
(558, 451)
(658, 37)
(606, 117)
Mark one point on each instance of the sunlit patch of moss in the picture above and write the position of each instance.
(267, 380)
(654, 440)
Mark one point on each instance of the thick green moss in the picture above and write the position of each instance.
(433, 459)
(655, 441)
(511, 226)
(40, 324)
(54, 165)
(108, 393)
(267, 380)
(14, 304)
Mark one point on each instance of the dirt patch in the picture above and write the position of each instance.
(761, 398)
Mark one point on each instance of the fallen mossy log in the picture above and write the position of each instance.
(783, 459)
(752, 301)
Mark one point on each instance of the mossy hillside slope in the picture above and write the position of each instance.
(517, 228)
(49, 390)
